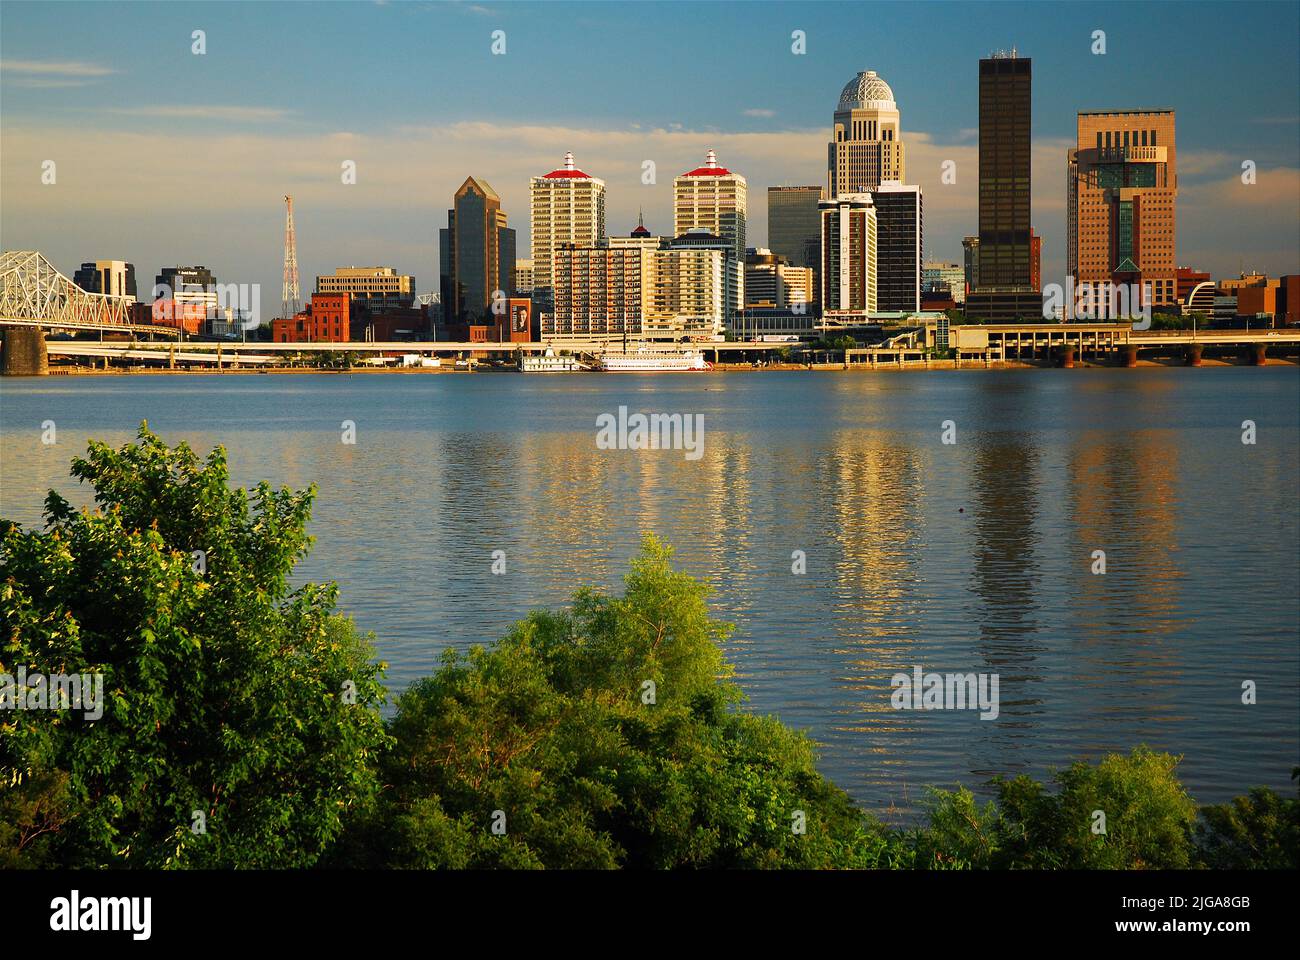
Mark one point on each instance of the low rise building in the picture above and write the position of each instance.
(327, 319)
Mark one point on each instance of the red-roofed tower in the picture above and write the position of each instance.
(713, 198)
(568, 207)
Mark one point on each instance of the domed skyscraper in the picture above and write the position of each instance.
(866, 145)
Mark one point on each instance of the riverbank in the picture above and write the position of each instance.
(857, 367)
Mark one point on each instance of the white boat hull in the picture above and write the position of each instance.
(646, 362)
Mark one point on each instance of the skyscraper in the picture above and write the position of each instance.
(113, 278)
(1005, 287)
(848, 273)
(568, 206)
(866, 143)
(1121, 193)
(794, 228)
(898, 246)
(477, 254)
(970, 249)
(713, 198)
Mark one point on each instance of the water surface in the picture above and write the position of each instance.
(969, 557)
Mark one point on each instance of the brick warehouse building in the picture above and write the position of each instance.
(327, 319)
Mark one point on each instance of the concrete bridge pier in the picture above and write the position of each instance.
(1130, 355)
(1258, 355)
(25, 354)
(1194, 355)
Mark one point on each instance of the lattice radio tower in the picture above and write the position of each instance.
(291, 300)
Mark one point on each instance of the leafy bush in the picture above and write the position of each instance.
(226, 692)
(1260, 831)
(1148, 820)
(555, 727)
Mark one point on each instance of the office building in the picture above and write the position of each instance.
(477, 254)
(1005, 289)
(523, 277)
(186, 285)
(970, 249)
(946, 278)
(794, 229)
(772, 283)
(898, 246)
(639, 237)
(377, 289)
(1122, 187)
(113, 278)
(866, 145)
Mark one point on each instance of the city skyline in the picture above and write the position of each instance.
(97, 113)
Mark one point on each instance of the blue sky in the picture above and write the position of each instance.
(164, 156)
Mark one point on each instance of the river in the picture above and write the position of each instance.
(971, 556)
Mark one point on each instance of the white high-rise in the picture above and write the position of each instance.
(714, 198)
(849, 274)
(568, 206)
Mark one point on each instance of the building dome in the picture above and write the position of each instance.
(867, 91)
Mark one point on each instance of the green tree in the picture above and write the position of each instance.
(227, 692)
(1260, 831)
(605, 736)
(1148, 819)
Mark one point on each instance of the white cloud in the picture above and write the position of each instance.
(759, 112)
(204, 112)
(64, 68)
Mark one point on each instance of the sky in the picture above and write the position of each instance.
(163, 156)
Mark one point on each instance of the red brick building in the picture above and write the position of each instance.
(1187, 279)
(327, 319)
(186, 316)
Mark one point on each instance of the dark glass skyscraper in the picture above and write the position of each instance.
(794, 226)
(476, 253)
(1005, 288)
(899, 242)
(1004, 171)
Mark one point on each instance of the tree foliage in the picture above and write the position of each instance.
(226, 690)
(605, 736)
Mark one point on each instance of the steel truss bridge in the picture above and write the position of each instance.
(33, 293)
